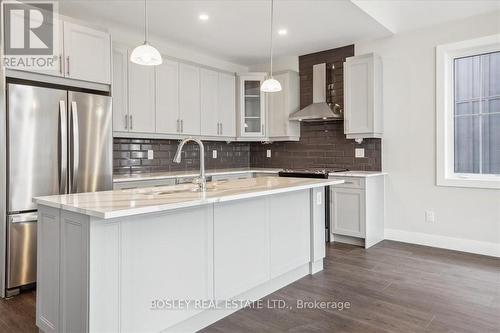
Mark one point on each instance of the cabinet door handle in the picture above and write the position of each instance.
(67, 65)
(177, 129)
(262, 129)
(182, 125)
(126, 121)
(220, 128)
(131, 122)
(61, 64)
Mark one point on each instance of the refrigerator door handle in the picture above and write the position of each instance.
(63, 128)
(76, 147)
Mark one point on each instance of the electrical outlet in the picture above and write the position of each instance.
(150, 154)
(359, 152)
(268, 153)
(214, 153)
(430, 216)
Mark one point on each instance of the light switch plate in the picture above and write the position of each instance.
(150, 154)
(214, 153)
(359, 152)
(268, 153)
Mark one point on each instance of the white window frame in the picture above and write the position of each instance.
(445, 56)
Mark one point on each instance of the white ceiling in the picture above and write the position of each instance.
(238, 31)
(406, 15)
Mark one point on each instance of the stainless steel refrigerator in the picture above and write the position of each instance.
(58, 141)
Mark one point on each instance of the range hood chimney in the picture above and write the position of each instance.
(319, 110)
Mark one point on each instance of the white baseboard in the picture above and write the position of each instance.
(444, 242)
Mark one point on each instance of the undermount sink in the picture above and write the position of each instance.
(164, 191)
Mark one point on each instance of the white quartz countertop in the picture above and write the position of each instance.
(120, 203)
(362, 174)
(194, 173)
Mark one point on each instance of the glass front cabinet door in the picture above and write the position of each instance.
(252, 110)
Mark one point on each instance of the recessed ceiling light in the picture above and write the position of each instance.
(203, 17)
(282, 32)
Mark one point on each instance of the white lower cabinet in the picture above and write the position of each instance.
(357, 210)
(347, 211)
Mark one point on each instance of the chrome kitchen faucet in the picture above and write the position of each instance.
(201, 180)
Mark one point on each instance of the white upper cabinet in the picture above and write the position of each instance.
(81, 53)
(281, 104)
(119, 89)
(189, 99)
(87, 53)
(209, 90)
(167, 97)
(141, 93)
(218, 108)
(363, 107)
(227, 105)
(252, 106)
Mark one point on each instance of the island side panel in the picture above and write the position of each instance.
(317, 225)
(62, 271)
(74, 271)
(105, 265)
(375, 210)
(47, 291)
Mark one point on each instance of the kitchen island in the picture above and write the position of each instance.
(173, 258)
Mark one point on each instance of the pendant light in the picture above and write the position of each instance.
(271, 85)
(146, 54)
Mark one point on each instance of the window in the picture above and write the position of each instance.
(476, 114)
(468, 113)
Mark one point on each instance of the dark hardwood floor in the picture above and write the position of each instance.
(392, 287)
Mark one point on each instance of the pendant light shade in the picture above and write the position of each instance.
(146, 54)
(271, 85)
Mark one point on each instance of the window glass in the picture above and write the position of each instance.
(477, 114)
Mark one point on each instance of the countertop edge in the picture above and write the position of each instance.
(162, 208)
(357, 175)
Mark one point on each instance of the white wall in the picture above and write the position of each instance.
(279, 64)
(466, 219)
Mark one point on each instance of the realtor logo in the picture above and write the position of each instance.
(31, 33)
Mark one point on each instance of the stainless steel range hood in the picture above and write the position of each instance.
(319, 110)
